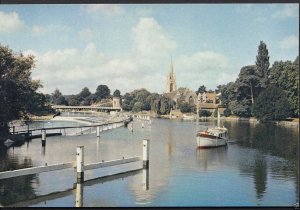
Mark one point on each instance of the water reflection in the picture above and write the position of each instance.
(19, 188)
(211, 159)
(264, 158)
(79, 195)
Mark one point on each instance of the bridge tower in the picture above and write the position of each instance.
(116, 102)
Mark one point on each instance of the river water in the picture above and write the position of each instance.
(258, 168)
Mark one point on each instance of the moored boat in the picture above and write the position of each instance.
(212, 137)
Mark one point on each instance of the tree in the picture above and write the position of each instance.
(247, 83)
(285, 75)
(126, 103)
(240, 108)
(85, 92)
(58, 98)
(137, 107)
(201, 89)
(102, 92)
(204, 113)
(18, 92)
(185, 107)
(262, 63)
(272, 104)
(117, 93)
(227, 112)
(73, 100)
(165, 105)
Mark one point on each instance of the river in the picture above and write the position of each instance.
(258, 168)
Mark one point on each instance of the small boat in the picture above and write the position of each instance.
(212, 137)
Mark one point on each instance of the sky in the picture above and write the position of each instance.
(129, 47)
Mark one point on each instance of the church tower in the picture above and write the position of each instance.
(171, 80)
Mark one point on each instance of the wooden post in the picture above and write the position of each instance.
(43, 137)
(14, 129)
(146, 144)
(80, 164)
(98, 131)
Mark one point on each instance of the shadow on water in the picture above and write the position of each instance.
(19, 188)
(78, 189)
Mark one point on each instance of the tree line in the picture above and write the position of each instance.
(84, 98)
(267, 93)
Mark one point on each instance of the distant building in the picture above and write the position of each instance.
(171, 80)
(207, 101)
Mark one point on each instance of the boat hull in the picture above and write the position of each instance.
(204, 142)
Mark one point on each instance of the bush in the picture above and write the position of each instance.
(227, 112)
(204, 113)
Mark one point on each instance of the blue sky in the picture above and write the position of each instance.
(130, 46)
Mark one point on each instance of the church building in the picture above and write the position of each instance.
(207, 101)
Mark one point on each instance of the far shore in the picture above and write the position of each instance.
(293, 122)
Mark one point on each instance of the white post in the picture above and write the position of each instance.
(43, 137)
(80, 163)
(146, 144)
(98, 131)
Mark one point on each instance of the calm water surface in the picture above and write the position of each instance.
(259, 169)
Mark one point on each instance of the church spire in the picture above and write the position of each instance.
(171, 80)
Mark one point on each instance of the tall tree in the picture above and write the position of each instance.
(262, 63)
(18, 92)
(58, 98)
(247, 83)
(85, 92)
(102, 92)
(117, 93)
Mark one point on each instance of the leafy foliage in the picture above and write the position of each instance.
(102, 92)
(117, 93)
(262, 62)
(272, 104)
(201, 89)
(137, 107)
(227, 112)
(204, 113)
(18, 92)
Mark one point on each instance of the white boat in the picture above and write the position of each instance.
(213, 137)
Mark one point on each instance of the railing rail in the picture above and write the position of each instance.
(79, 164)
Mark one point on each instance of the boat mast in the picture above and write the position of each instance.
(218, 118)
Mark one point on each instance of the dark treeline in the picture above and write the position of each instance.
(264, 92)
(84, 98)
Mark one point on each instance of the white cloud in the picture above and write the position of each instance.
(288, 11)
(151, 40)
(289, 42)
(145, 65)
(10, 22)
(86, 34)
(38, 30)
(106, 9)
(203, 68)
